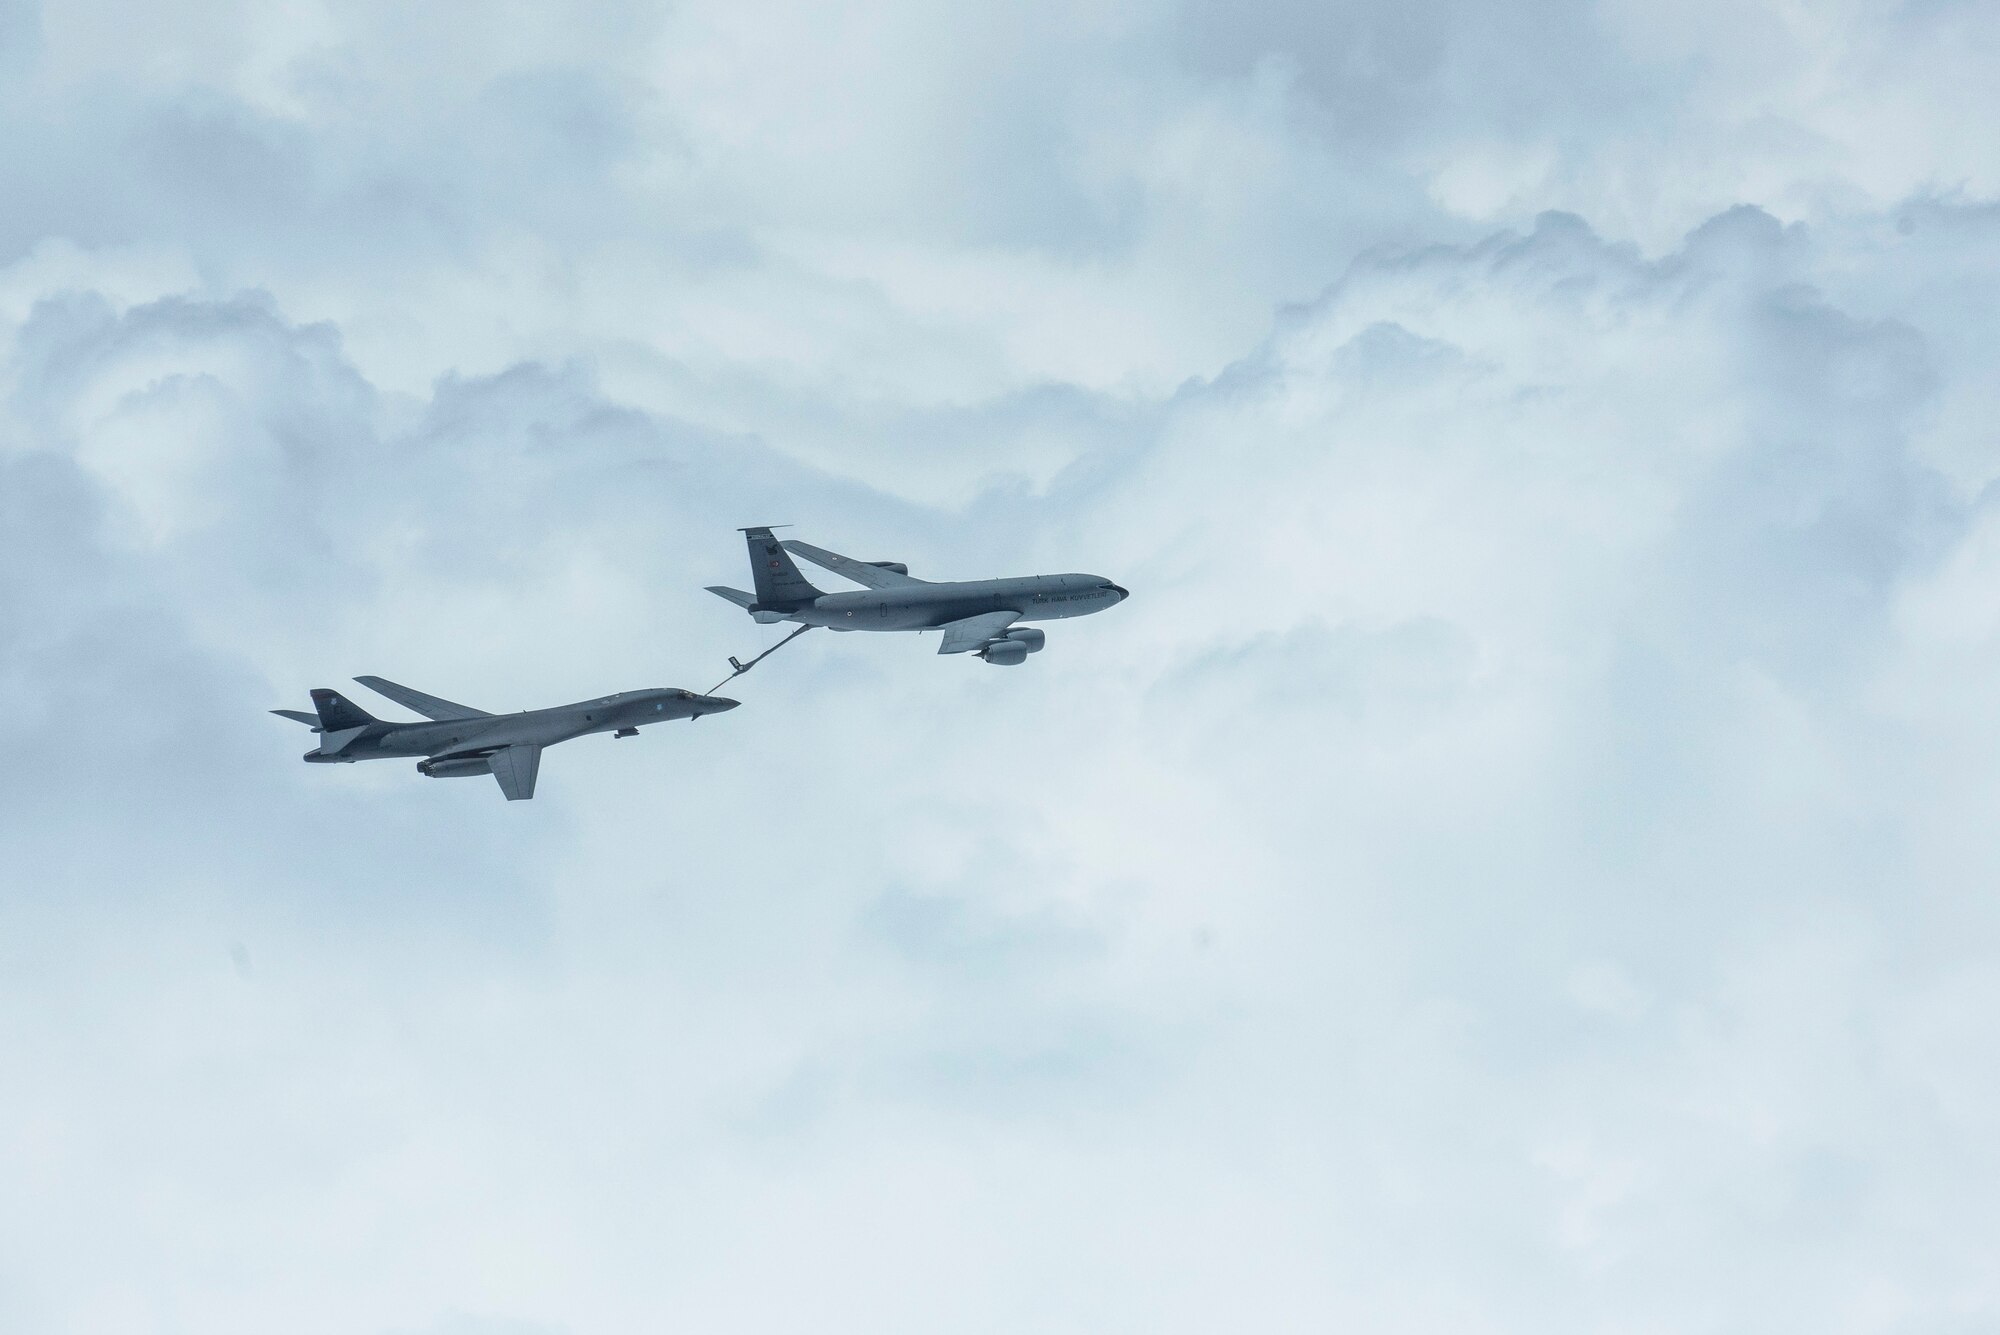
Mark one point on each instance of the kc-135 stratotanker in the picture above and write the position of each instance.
(459, 741)
(977, 616)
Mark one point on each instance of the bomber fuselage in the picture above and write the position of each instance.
(533, 727)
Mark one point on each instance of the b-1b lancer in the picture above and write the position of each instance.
(976, 616)
(460, 741)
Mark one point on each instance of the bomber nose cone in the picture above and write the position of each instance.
(718, 704)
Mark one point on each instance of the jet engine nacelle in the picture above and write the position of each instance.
(458, 767)
(895, 566)
(1029, 636)
(1005, 653)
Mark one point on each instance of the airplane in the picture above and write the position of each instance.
(977, 616)
(460, 741)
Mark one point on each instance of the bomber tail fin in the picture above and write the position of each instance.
(337, 712)
(780, 586)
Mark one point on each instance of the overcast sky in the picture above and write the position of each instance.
(1522, 861)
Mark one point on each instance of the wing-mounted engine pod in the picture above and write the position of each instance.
(1005, 653)
(460, 767)
(1029, 636)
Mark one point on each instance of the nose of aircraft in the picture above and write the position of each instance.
(716, 704)
(1122, 592)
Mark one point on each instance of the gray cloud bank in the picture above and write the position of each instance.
(1519, 862)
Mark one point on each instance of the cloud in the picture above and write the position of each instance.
(1517, 862)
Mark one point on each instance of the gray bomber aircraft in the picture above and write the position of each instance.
(460, 741)
(976, 616)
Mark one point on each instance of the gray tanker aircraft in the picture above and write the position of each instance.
(460, 741)
(976, 616)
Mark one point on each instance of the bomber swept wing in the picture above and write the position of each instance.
(515, 767)
(441, 711)
(962, 637)
(872, 576)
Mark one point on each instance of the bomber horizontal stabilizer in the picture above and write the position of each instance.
(299, 716)
(861, 572)
(441, 711)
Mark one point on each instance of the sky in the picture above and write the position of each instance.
(1521, 860)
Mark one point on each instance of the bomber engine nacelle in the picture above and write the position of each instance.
(895, 567)
(454, 767)
(1029, 636)
(1005, 653)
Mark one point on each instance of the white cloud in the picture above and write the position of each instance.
(1516, 863)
